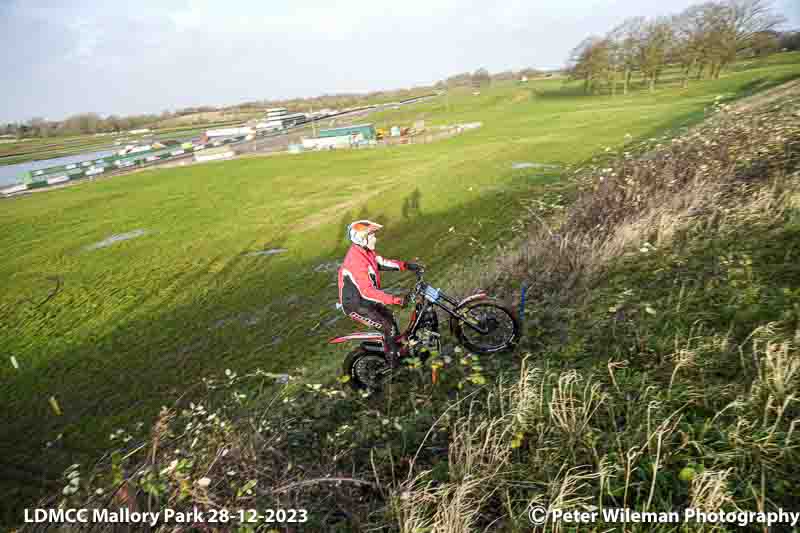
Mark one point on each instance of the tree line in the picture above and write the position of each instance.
(81, 123)
(482, 76)
(93, 123)
(701, 41)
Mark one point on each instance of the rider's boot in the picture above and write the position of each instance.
(393, 358)
(405, 349)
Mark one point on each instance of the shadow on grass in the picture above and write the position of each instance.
(124, 377)
(763, 83)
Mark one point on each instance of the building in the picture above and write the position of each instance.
(367, 131)
(279, 118)
(343, 137)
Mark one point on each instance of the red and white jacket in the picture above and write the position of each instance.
(360, 279)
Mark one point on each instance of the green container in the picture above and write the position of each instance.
(367, 130)
(127, 158)
(37, 185)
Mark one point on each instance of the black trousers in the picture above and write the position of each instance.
(376, 316)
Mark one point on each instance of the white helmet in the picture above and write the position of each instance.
(359, 231)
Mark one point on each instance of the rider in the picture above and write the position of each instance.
(360, 293)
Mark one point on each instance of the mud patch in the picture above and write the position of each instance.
(332, 266)
(273, 251)
(293, 299)
(245, 318)
(518, 166)
(117, 238)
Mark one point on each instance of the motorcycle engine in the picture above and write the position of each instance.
(429, 320)
(428, 332)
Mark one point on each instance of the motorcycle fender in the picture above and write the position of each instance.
(368, 336)
(462, 303)
(468, 299)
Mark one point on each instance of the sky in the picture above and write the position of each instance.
(148, 56)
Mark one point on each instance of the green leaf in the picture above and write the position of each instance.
(246, 488)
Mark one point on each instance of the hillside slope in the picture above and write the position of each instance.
(660, 369)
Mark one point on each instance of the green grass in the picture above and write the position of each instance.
(136, 324)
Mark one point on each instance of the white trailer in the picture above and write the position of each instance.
(14, 189)
(229, 132)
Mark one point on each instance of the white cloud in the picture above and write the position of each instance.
(150, 55)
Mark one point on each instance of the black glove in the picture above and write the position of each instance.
(413, 267)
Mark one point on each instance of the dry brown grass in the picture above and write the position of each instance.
(740, 168)
(700, 178)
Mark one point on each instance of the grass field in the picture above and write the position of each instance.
(136, 324)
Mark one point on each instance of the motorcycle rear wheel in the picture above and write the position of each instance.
(365, 370)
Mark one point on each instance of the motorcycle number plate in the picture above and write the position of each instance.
(431, 294)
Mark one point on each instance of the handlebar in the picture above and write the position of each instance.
(416, 288)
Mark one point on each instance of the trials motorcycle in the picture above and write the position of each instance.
(479, 323)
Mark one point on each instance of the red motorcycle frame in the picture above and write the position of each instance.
(472, 319)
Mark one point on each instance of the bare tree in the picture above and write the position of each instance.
(589, 61)
(506, 75)
(35, 126)
(692, 30)
(704, 38)
(465, 78)
(750, 18)
(481, 77)
(765, 43)
(736, 26)
(789, 40)
(625, 49)
(655, 41)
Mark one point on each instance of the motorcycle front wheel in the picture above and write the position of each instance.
(500, 323)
